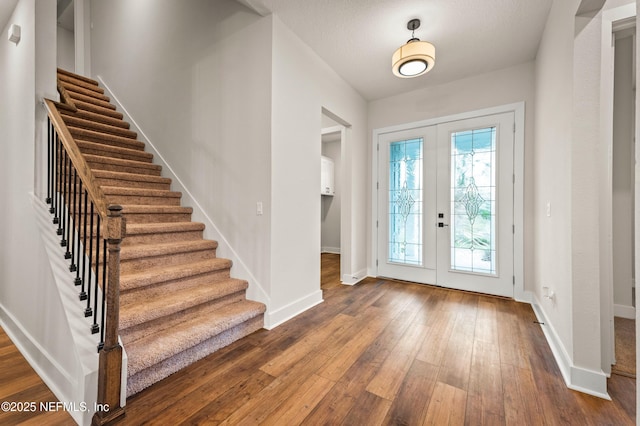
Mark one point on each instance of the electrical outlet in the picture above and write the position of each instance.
(259, 208)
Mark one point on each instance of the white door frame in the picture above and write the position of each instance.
(518, 109)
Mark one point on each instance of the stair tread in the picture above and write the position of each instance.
(77, 76)
(126, 190)
(161, 305)
(68, 81)
(87, 106)
(108, 174)
(98, 127)
(167, 273)
(148, 208)
(81, 133)
(95, 117)
(158, 249)
(156, 347)
(113, 149)
(91, 100)
(161, 227)
(121, 162)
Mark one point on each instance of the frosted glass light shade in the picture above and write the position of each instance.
(413, 59)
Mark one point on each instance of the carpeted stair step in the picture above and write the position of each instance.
(143, 307)
(123, 195)
(93, 148)
(73, 88)
(150, 233)
(144, 256)
(98, 162)
(155, 214)
(158, 355)
(77, 77)
(95, 118)
(101, 128)
(210, 270)
(105, 138)
(91, 100)
(131, 180)
(66, 80)
(97, 109)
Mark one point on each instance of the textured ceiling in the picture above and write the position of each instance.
(357, 37)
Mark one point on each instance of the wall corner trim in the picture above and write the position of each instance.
(577, 378)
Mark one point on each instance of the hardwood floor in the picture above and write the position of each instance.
(383, 352)
(19, 384)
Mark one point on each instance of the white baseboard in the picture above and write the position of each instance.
(624, 311)
(274, 318)
(354, 279)
(582, 380)
(332, 250)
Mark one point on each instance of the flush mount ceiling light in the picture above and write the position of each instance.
(414, 58)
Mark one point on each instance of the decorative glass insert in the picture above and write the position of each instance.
(405, 202)
(473, 201)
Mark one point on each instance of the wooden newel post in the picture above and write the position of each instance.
(110, 362)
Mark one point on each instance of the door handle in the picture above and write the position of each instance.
(442, 225)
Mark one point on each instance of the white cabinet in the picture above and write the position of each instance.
(327, 180)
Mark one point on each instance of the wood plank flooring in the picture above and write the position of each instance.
(381, 352)
(20, 384)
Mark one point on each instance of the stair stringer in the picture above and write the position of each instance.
(255, 291)
(77, 388)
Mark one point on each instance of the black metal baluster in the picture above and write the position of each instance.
(63, 195)
(67, 202)
(88, 312)
(83, 294)
(49, 136)
(56, 194)
(104, 292)
(73, 228)
(95, 327)
(78, 280)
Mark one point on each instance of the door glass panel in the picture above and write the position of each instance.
(405, 202)
(473, 201)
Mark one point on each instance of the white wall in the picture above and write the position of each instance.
(501, 87)
(295, 171)
(331, 206)
(196, 77)
(66, 49)
(623, 178)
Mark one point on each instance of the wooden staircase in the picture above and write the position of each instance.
(178, 301)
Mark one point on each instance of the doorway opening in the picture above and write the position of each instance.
(623, 198)
(65, 35)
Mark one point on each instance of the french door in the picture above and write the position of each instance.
(445, 204)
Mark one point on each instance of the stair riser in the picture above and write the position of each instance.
(106, 139)
(98, 127)
(91, 100)
(157, 217)
(143, 200)
(95, 150)
(163, 237)
(94, 164)
(131, 266)
(80, 83)
(133, 184)
(98, 109)
(131, 334)
(145, 378)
